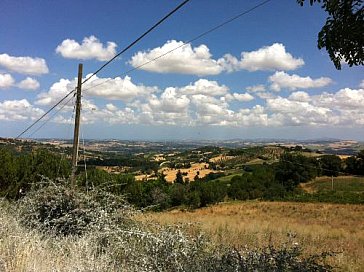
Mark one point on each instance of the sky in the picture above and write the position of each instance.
(260, 76)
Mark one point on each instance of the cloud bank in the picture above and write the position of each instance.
(177, 57)
(206, 102)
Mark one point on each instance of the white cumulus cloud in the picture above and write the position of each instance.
(110, 114)
(256, 88)
(206, 87)
(92, 114)
(169, 101)
(116, 88)
(177, 57)
(24, 65)
(206, 105)
(281, 80)
(242, 97)
(108, 88)
(255, 116)
(56, 92)
(15, 110)
(6, 81)
(267, 58)
(111, 107)
(289, 112)
(342, 108)
(90, 48)
(200, 103)
(28, 84)
(266, 95)
(344, 99)
(184, 60)
(300, 96)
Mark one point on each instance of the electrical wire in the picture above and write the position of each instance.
(40, 118)
(156, 58)
(63, 155)
(51, 117)
(137, 40)
(107, 63)
(187, 42)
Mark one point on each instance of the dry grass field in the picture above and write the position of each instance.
(221, 158)
(317, 227)
(170, 174)
(200, 168)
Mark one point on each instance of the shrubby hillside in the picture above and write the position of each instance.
(277, 180)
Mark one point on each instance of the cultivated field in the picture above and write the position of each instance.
(317, 227)
(196, 168)
(188, 173)
(221, 158)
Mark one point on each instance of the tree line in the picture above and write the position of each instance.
(20, 172)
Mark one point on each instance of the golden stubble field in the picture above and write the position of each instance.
(196, 168)
(202, 169)
(317, 227)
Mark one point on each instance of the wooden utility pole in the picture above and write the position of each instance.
(77, 126)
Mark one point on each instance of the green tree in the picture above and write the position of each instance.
(179, 178)
(48, 164)
(331, 165)
(178, 194)
(355, 164)
(293, 169)
(210, 192)
(351, 165)
(8, 171)
(19, 173)
(342, 34)
(238, 189)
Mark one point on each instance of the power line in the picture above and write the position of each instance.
(229, 20)
(138, 39)
(187, 42)
(107, 63)
(50, 118)
(63, 155)
(40, 118)
(158, 57)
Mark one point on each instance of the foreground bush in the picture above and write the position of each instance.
(105, 222)
(58, 229)
(59, 210)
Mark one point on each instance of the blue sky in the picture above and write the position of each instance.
(260, 76)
